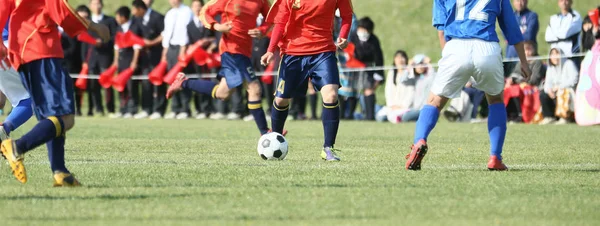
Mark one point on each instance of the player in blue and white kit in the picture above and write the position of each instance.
(467, 32)
(12, 87)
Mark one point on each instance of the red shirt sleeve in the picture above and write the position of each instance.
(346, 11)
(210, 11)
(62, 14)
(5, 10)
(264, 27)
(279, 14)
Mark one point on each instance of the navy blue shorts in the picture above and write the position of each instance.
(50, 87)
(236, 69)
(294, 72)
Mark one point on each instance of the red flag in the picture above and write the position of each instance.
(214, 61)
(352, 62)
(86, 38)
(121, 80)
(81, 82)
(594, 13)
(268, 79)
(156, 75)
(172, 75)
(133, 39)
(106, 76)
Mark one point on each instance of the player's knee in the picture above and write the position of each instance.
(494, 99)
(222, 93)
(281, 102)
(68, 122)
(437, 101)
(329, 93)
(254, 90)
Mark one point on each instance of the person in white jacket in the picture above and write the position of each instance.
(564, 28)
(559, 87)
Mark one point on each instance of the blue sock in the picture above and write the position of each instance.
(428, 117)
(45, 130)
(331, 122)
(259, 116)
(201, 86)
(278, 116)
(56, 154)
(497, 128)
(19, 115)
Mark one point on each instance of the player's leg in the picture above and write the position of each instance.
(290, 79)
(255, 106)
(454, 71)
(489, 78)
(326, 78)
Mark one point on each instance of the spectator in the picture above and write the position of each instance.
(399, 90)
(127, 58)
(513, 90)
(153, 99)
(559, 86)
(197, 32)
(564, 28)
(529, 24)
(100, 57)
(423, 74)
(175, 40)
(72, 51)
(349, 91)
(589, 34)
(368, 51)
(476, 97)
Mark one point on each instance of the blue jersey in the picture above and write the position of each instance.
(476, 19)
(5, 32)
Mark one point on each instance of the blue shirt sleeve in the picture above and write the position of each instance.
(533, 26)
(439, 15)
(508, 24)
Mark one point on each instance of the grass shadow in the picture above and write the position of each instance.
(108, 197)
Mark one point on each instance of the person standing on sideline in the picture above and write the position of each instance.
(528, 23)
(564, 28)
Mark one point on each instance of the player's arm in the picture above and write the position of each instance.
(510, 27)
(263, 29)
(279, 15)
(346, 11)
(439, 20)
(5, 10)
(210, 11)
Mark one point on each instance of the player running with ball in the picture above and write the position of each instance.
(304, 32)
(467, 32)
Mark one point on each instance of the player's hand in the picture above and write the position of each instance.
(552, 95)
(266, 59)
(526, 71)
(224, 28)
(342, 43)
(133, 65)
(101, 30)
(255, 33)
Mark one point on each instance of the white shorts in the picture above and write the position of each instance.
(11, 85)
(466, 58)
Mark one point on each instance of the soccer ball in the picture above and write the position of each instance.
(272, 146)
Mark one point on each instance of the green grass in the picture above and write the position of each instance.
(192, 172)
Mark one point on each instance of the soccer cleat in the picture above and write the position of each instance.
(328, 154)
(416, 155)
(15, 160)
(176, 86)
(62, 179)
(496, 164)
(3, 134)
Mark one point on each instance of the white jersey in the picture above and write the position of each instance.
(11, 85)
(464, 59)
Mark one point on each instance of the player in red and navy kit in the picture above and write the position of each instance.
(238, 25)
(467, 32)
(36, 53)
(304, 33)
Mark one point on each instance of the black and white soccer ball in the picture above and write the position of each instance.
(272, 146)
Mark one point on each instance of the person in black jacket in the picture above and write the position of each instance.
(368, 50)
(152, 23)
(589, 34)
(72, 62)
(99, 58)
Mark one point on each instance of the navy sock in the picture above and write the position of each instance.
(259, 116)
(56, 154)
(497, 128)
(201, 86)
(278, 116)
(331, 122)
(428, 117)
(45, 130)
(18, 116)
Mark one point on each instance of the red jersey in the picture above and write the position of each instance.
(33, 28)
(243, 15)
(308, 24)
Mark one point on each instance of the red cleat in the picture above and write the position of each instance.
(284, 132)
(417, 153)
(496, 164)
(176, 85)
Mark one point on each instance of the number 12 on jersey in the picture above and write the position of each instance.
(476, 12)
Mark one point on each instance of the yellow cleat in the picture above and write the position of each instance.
(62, 179)
(15, 160)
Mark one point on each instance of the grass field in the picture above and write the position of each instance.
(192, 172)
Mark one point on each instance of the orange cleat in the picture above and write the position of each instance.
(176, 86)
(417, 153)
(496, 164)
